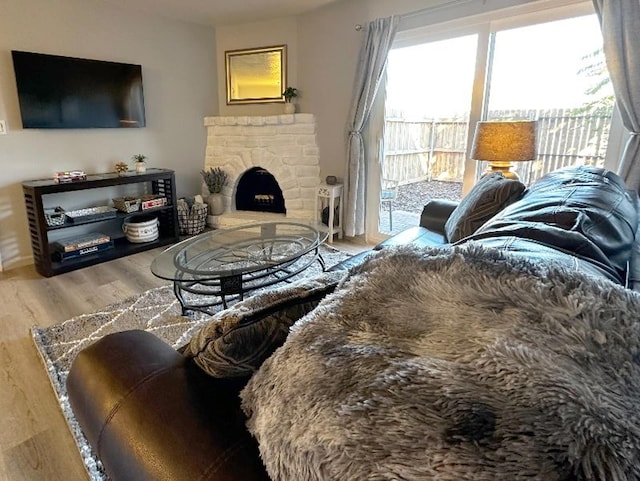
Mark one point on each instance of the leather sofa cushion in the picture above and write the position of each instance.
(416, 236)
(490, 195)
(539, 253)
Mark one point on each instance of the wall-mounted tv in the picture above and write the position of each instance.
(57, 92)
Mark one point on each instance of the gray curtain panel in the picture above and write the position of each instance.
(620, 23)
(371, 65)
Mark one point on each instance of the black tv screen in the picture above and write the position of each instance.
(71, 93)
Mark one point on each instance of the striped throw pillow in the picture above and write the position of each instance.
(490, 195)
(236, 341)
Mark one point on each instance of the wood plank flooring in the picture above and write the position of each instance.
(35, 442)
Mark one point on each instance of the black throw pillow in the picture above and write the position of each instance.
(490, 195)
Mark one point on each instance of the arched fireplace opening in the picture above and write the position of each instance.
(259, 191)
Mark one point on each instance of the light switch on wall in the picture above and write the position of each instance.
(3, 127)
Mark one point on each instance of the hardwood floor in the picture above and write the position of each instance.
(35, 442)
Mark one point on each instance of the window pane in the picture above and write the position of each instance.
(554, 73)
(429, 90)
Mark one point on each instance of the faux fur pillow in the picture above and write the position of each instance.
(489, 196)
(237, 340)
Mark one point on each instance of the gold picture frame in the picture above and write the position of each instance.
(256, 75)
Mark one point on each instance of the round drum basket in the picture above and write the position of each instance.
(140, 229)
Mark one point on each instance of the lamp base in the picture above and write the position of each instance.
(503, 167)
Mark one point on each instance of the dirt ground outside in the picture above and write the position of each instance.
(406, 209)
(413, 197)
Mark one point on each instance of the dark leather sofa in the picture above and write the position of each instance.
(152, 414)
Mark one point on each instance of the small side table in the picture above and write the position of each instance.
(330, 197)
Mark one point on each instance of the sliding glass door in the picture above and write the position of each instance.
(526, 67)
(429, 90)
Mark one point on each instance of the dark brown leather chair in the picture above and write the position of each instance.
(151, 414)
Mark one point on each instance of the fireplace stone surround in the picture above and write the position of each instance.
(284, 145)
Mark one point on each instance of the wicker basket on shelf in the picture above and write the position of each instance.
(127, 204)
(192, 220)
(55, 216)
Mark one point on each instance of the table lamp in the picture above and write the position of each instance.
(502, 143)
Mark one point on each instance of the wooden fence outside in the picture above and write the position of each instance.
(419, 150)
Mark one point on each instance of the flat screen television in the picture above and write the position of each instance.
(57, 92)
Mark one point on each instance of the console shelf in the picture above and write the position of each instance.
(162, 182)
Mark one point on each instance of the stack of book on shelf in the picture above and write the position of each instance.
(86, 244)
(151, 201)
(69, 176)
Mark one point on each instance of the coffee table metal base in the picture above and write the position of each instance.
(192, 294)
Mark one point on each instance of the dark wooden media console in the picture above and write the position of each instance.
(160, 182)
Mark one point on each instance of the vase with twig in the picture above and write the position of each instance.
(215, 179)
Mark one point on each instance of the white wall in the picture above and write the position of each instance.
(326, 51)
(180, 88)
(328, 54)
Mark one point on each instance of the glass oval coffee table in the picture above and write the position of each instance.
(209, 267)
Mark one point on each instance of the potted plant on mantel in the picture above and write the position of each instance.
(289, 94)
(141, 165)
(215, 178)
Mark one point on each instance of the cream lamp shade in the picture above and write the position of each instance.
(502, 143)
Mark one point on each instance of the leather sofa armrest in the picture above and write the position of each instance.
(151, 414)
(633, 268)
(430, 232)
(435, 214)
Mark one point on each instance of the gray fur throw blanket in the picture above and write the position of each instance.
(452, 365)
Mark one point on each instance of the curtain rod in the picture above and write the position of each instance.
(434, 8)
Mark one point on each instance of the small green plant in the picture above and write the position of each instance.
(289, 93)
(215, 178)
(139, 157)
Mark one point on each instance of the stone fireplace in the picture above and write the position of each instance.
(273, 165)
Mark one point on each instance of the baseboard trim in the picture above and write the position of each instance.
(15, 263)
